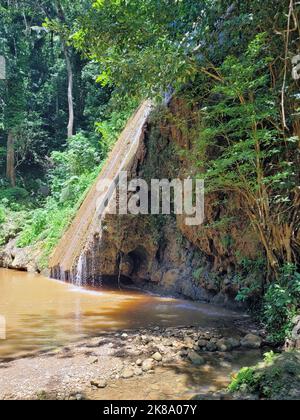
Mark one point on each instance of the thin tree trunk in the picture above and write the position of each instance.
(10, 166)
(70, 93)
(61, 16)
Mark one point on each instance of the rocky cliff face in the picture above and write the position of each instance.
(161, 253)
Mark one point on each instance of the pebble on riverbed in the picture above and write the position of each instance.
(157, 357)
(196, 359)
(251, 341)
(127, 373)
(99, 383)
(147, 365)
(139, 353)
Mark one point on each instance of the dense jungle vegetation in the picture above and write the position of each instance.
(76, 71)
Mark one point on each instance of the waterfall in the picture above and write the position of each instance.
(81, 270)
(71, 255)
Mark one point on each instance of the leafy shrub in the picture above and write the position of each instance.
(2, 215)
(245, 377)
(34, 227)
(110, 128)
(14, 194)
(11, 223)
(281, 304)
(276, 378)
(78, 160)
(251, 279)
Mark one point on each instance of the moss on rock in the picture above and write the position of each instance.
(276, 378)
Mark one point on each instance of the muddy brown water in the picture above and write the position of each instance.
(42, 313)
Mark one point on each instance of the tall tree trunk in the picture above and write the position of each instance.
(70, 92)
(10, 166)
(62, 18)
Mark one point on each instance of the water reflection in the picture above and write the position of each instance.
(42, 313)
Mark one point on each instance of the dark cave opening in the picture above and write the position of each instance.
(139, 258)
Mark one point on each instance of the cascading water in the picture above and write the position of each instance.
(93, 269)
(72, 257)
(80, 276)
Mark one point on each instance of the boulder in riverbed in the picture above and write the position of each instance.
(147, 365)
(211, 347)
(99, 383)
(195, 358)
(228, 344)
(202, 343)
(157, 357)
(127, 373)
(251, 341)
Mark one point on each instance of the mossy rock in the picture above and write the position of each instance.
(276, 378)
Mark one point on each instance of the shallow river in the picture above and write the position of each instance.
(41, 313)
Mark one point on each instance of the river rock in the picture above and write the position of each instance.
(211, 347)
(222, 345)
(227, 344)
(251, 341)
(139, 362)
(157, 357)
(127, 373)
(138, 371)
(147, 365)
(202, 343)
(99, 383)
(195, 358)
(189, 342)
(234, 342)
(294, 341)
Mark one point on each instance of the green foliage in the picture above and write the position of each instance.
(34, 103)
(79, 159)
(251, 279)
(198, 273)
(110, 128)
(245, 376)
(139, 44)
(281, 304)
(71, 175)
(2, 215)
(276, 378)
(236, 123)
(11, 195)
(11, 222)
(249, 379)
(269, 357)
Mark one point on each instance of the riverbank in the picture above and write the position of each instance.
(170, 363)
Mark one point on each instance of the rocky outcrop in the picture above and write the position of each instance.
(294, 341)
(24, 259)
(161, 253)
